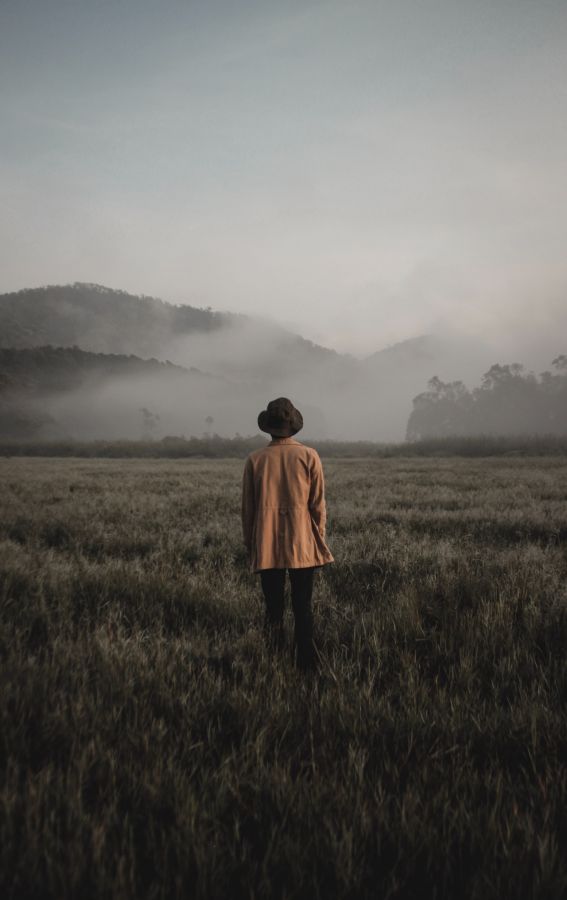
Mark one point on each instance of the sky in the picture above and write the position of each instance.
(363, 172)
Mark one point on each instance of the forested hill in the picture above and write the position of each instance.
(47, 369)
(98, 318)
(56, 392)
(104, 320)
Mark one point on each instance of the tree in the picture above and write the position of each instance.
(439, 411)
(508, 401)
(149, 424)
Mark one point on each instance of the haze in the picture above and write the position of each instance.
(361, 172)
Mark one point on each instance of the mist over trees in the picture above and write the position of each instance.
(52, 392)
(87, 362)
(105, 320)
(100, 319)
(508, 401)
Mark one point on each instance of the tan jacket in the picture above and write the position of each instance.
(283, 507)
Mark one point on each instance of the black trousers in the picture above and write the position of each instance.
(273, 587)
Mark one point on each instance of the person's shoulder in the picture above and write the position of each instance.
(310, 452)
(255, 454)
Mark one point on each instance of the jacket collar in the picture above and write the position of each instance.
(282, 440)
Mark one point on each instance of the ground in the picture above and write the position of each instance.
(151, 747)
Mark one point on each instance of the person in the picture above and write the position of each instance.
(283, 522)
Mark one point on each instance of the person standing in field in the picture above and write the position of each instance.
(283, 523)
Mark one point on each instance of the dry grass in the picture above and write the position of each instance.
(152, 748)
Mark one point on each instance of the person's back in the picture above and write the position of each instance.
(284, 510)
(284, 519)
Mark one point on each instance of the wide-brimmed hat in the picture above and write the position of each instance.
(281, 418)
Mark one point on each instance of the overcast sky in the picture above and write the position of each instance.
(363, 171)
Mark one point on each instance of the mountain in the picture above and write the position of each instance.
(256, 357)
(221, 365)
(425, 347)
(103, 320)
(464, 355)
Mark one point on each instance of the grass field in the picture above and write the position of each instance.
(151, 748)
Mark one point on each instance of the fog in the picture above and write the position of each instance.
(231, 373)
(149, 408)
(358, 174)
(114, 409)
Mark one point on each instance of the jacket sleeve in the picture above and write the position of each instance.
(317, 505)
(248, 508)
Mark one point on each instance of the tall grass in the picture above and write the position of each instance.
(152, 747)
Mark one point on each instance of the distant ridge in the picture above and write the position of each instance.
(424, 346)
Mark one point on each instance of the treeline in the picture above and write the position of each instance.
(217, 447)
(30, 375)
(63, 368)
(509, 402)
